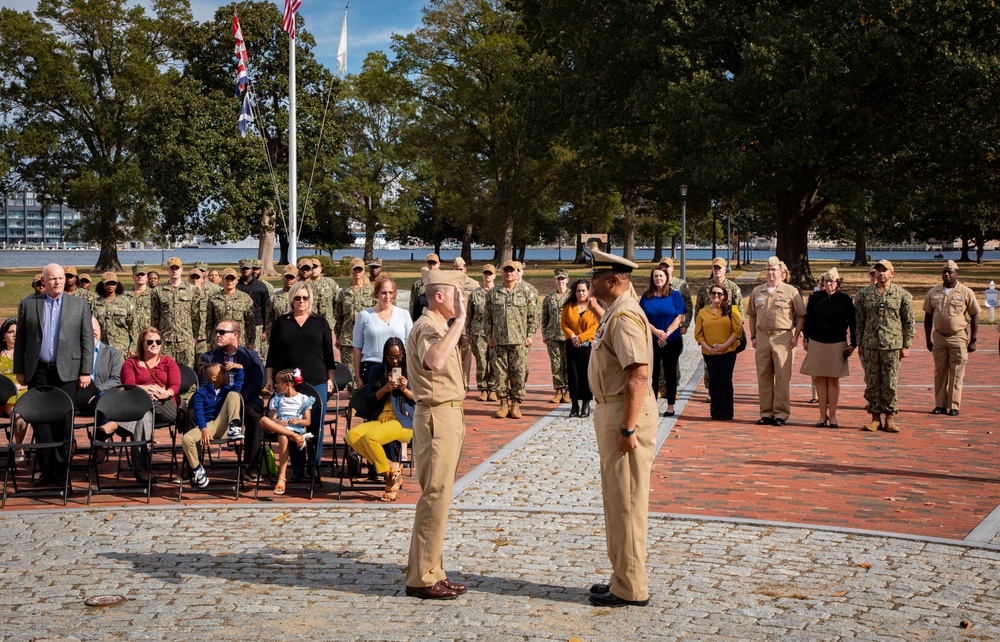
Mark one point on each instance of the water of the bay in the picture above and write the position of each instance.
(217, 256)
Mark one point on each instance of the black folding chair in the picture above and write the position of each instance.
(357, 406)
(119, 405)
(342, 382)
(189, 382)
(40, 406)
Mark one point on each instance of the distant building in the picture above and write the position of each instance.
(22, 223)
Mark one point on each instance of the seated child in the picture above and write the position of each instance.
(289, 414)
(215, 409)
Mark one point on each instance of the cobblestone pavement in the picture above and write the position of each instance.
(526, 535)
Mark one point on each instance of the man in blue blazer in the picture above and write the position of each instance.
(54, 347)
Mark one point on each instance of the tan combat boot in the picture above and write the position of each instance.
(503, 412)
(557, 398)
(874, 424)
(565, 396)
(492, 396)
(890, 424)
(515, 410)
(483, 395)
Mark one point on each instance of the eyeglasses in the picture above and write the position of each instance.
(300, 298)
(223, 333)
(154, 342)
(719, 294)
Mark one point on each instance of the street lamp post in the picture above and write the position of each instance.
(684, 193)
(714, 218)
(729, 241)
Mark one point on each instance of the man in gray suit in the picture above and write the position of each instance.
(54, 347)
(107, 373)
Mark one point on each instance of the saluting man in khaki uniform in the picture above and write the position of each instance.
(438, 385)
(776, 313)
(625, 421)
(953, 337)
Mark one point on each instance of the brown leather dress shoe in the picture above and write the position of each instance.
(455, 586)
(437, 591)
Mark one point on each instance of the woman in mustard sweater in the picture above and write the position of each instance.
(717, 330)
(579, 323)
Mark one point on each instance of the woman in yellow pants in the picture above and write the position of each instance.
(380, 439)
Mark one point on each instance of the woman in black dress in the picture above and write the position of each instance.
(829, 318)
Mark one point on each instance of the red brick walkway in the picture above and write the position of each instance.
(938, 477)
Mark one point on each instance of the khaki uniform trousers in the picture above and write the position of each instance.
(465, 351)
(774, 373)
(438, 434)
(950, 356)
(625, 488)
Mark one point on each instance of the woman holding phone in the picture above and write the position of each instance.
(380, 439)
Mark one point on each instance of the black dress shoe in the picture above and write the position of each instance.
(455, 586)
(953, 412)
(437, 591)
(668, 413)
(765, 421)
(574, 410)
(600, 588)
(779, 422)
(939, 411)
(610, 599)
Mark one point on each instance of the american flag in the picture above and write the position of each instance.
(288, 24)
(241, 57)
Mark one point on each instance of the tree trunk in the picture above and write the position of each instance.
(107, 260)
(796, 213)
(265, 244)
(580, 257)
(371, 226)
(629, 223)
(467, 244)
(658, 246)
(505, 246)
(283, 245)
(860, 247)
(673, 247)
(980, 244)
(965, 251)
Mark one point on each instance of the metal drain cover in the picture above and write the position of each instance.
(105, 600)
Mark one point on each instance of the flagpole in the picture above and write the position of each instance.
(292, 152)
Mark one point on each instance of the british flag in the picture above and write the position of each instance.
(288, 23)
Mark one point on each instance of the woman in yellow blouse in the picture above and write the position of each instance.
(717, 330)
(7, 335)
(579, 319)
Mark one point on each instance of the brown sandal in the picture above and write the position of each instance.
(393, 482)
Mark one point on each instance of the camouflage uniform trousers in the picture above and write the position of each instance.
(557, 361)
(347, 356)
(180, 351)
(485, 358)
(259, 344)
(511, 363)
(881, 377)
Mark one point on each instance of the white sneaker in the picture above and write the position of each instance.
(200, 478)
(234, 432)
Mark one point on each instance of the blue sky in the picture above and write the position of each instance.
(370, 24)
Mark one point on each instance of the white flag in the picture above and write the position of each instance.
(342, 49)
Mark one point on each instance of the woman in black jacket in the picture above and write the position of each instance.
(829, 319)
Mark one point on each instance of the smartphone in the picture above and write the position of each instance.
(396, 374)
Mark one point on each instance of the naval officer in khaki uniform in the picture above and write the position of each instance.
(776, 313)
(945, 310)
(625, 421)
(438, 385)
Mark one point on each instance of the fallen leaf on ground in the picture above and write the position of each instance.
(840, 594)
(865, 565)
(280, 517)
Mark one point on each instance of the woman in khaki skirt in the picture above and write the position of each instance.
(829, 319)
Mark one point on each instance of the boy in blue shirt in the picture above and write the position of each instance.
(216, 408)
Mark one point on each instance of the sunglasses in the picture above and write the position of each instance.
(720, 294)
(229, 278)
(300, 298)
(289, 276)
(36, 284)
(154, 342)
(223, 333)
(106, 283)
(87, 281)
(246, 268)
(305, 267)
(194, 277)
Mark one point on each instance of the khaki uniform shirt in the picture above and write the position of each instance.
(884, 321)
(949, 308)
(775, 310)
(623, 339)
(429, 387)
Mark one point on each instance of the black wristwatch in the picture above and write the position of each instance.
(625, 432)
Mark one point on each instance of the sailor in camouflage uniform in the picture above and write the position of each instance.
(72, 287)
(553, 335)
(196, 279)
(475, 327)
(115, 313)
(174, 312)
(357, 296)
(325, 292)
(511, 322)
(468, 285)
(884, 314)
(432, 262)
(141, 297)
(207, 285)
(232, 305)
(277, 305)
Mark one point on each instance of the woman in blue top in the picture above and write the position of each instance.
(376, 324)
(390, 420)
(665, 308)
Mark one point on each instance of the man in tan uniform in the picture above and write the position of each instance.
(438, 384)
(953, 337)
(625, 421)
(776, 313)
